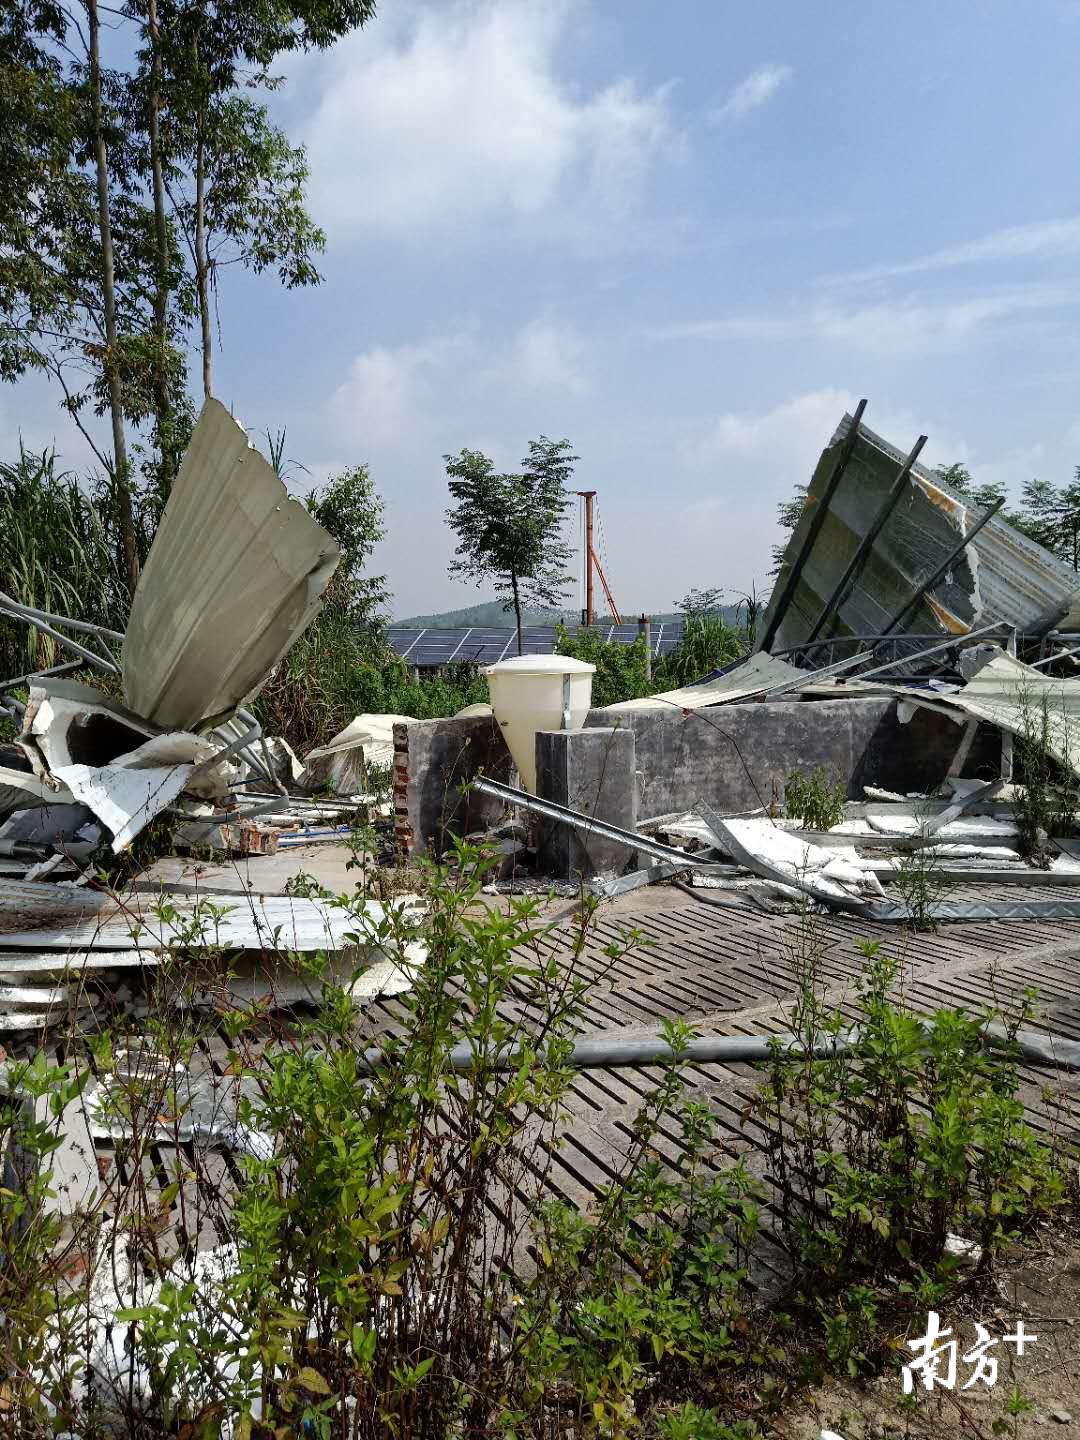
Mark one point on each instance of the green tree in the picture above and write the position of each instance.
(959, 478)
(124, 192)
(1052, 517)
(700, 602)
(351, 509)
(787, 517)
(509, 526)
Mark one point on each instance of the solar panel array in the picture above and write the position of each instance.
(484, 644)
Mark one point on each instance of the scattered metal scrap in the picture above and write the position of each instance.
(236, 572)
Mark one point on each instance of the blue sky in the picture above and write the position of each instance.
(684, 236)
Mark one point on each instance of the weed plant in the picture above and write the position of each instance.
(1050, 798)
(387, 1264)
(392, 1256)
(817, 800)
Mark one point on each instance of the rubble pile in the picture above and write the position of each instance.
(235, 574)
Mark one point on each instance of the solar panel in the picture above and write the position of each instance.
(485, 644)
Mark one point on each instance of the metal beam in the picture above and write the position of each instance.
(1050, 659)
(933, 650)
(817, 519)
(857, 563)
(943, 569)
(563, 815)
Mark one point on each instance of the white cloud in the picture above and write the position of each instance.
(740, 447)
(455, 114)
(757, 89)
(1043, 240)
(385, 400)
(408, 397)
(551, 359)
(908, 324)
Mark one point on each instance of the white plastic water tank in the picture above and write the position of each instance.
(537, 692)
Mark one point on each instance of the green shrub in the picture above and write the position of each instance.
(820, 803)
(620, 669)
(648, 1292)
(338, 670)
(880, 1157)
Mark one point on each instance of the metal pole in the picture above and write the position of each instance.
(944, 568)
(588, 496)
(9, 608)
(1061, 655)
(817, 519)
(857, 563)
(645, 629)
(564, 815)
(933, 650)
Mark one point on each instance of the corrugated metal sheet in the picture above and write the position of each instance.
(236, 572)
(55, 917)
(758, 672)
(1002, 576)
(1009, 694)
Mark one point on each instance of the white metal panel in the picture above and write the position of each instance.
(56, 917)
(759, 672)
(236, 572)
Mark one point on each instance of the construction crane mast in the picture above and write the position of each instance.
(592, 560)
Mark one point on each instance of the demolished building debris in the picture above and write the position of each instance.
(873, 668)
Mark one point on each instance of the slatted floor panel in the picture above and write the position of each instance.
(734, 971)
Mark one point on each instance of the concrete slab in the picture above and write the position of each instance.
(254, 874)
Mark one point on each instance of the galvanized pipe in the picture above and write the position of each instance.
(83, 626)
(64, 669)
(949, 644)
(612, 1051)
(8, 607)
(565, 816)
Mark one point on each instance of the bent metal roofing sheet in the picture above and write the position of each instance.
(1002, 576)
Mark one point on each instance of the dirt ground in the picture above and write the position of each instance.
(1040, 1285)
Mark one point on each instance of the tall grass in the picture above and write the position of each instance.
(338, 670)
(707, 644)
(57, 553)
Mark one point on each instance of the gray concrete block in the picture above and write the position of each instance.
(435, 762)
(592, 771)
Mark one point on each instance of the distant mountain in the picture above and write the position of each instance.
(490, 613)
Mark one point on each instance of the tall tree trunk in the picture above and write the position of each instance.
(128, 554)
(162, 401)
(202, 263)
(517, 611)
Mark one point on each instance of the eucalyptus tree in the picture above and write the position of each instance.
(123, 193)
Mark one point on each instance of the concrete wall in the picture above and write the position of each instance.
(591, 771)
(736, 757)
